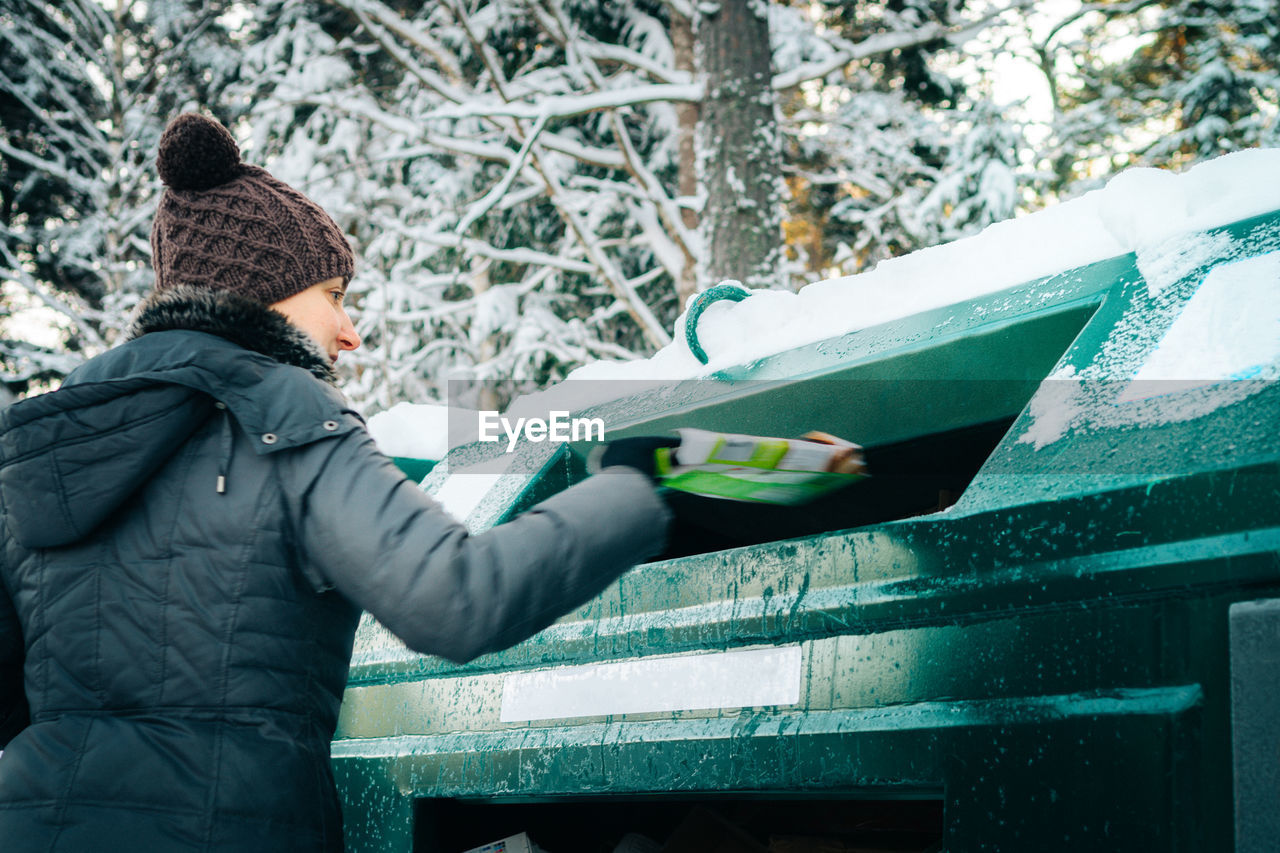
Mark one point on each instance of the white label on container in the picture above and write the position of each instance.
(738, 679)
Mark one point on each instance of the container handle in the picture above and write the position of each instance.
(726, 290)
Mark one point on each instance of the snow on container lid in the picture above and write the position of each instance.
(1139, 210)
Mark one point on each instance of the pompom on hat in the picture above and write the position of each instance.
(225, 225)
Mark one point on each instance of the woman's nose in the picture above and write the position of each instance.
(347, 337)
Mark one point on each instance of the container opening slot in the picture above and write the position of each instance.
(918, 476)
(928, 419)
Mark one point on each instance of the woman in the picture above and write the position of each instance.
(192, 524)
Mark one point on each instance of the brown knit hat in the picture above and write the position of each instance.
(225, 225)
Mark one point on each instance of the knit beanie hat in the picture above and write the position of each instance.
(225, 225)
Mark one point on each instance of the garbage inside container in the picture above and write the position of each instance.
(679, 825)
(519, 843)
(704, 831)
(634, 842)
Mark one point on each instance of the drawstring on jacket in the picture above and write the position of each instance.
(224, 464)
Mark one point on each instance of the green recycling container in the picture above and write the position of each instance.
(1046, 622)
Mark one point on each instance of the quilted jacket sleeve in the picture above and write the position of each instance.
(13, 700)
(393, 551)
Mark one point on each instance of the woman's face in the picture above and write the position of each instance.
(319, 312)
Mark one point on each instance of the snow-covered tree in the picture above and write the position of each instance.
(522, 170)
(507, 171)
(978, 181)
(519, 177)
(85, 88)
(1159, 84)
(896, 147)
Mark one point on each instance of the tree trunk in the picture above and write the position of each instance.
(739, 150)
(687, 164)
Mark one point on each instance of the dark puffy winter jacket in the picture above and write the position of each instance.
(190, 528)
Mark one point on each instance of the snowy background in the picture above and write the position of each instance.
(533, 187)
(1157, 215)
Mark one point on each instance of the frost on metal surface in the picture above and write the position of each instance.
(1186, 350)
(374, 643)
(1230, 329)
(1169, 261)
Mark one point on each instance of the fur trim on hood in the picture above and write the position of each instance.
(242, 321)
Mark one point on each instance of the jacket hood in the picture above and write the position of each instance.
(70, 458)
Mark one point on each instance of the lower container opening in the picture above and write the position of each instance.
(713, 824)
(908, 478)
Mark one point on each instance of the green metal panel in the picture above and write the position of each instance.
(1049, 656)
